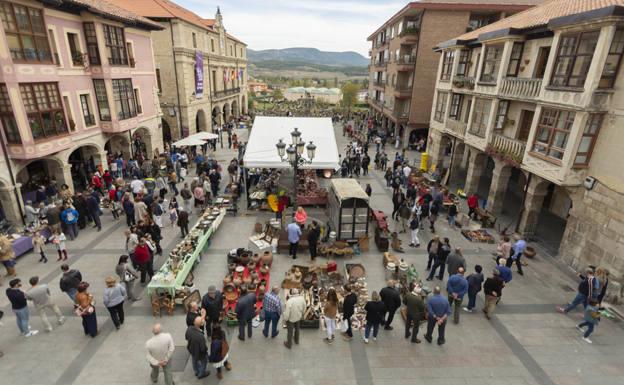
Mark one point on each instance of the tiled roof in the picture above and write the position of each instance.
(542, 14)
(161, 9)
(460, 5)
(107, 8)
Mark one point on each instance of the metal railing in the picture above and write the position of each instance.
(523, 88)
(227, 92)
(406, 59)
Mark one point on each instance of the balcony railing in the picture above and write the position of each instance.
(400, 115)
(467, 82)
(403, 91)
(523, 88)
(456, 126)
(380, 63)
(508, 149)
(379, 83)
(228, 92)
(406, 59)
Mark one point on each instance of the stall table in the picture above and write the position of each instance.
(171, 286)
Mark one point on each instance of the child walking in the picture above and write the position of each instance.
(38, 243)
(59, 240)
(591, 318)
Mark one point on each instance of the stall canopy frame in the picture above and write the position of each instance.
(268, 130)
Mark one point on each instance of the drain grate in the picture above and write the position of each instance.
(179, 358)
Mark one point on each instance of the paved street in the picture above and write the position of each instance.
(526, 342)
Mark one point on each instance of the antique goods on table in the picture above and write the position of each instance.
(356, 278)
(171, 282)
(249, 269)
(336, 249)
(480, 235)
(267, 238)
(309, 193)
(348, 209)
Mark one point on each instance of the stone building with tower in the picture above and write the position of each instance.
(200, 67)
(77, 81)
(528, 113)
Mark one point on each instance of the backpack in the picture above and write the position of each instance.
(414, 223)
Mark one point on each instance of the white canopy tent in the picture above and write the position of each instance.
(268, 130)
(189, 141)
(203, 135)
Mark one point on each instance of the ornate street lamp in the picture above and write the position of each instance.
(294, 154)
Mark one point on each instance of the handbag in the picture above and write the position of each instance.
(128, 276)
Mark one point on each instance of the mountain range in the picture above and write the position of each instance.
(308, 55)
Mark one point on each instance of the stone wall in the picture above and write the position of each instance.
(594, 235)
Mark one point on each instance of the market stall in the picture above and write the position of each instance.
(172, 282)
(348, 209)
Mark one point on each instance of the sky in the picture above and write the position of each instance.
(329, 25)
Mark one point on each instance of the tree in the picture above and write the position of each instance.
(278, 94)
(349, 94)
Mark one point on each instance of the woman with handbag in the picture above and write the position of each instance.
(127, 275)
(330, 311)
(219, 349)
(114, 297)
(85, 308)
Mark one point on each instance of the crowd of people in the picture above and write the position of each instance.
(152, 192)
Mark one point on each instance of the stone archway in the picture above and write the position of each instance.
(226, 113)
(118, 143)
(235, 111)
(142, 143)
(216, 118)
(84, 161)
(200, 121)
(166, 131)
(33, 174)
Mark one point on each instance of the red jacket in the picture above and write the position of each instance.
(141, 254)
(473, 201)
(96, 181)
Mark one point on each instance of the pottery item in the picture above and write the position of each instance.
(264, 269)
(255, 259)
(267, 258)
(247, 280)
(239, 269)
(237, 281)
(251, 266)
(227, 280)
(244, 259)
(231, 267)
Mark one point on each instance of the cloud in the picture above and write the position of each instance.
(323, 24)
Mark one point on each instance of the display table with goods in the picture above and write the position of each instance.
(266, 239)
(309, 192)
(249, 269)
(259, 194)
(174, 278)
(479, 235)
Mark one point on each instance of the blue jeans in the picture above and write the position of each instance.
(72, 294)
(590, 328)
(270, 317)
(21, 316)
(199, 366)
(579, 299)
(451, 220)
(368, 327)
(472, 299)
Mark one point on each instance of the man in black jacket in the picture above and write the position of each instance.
(493, 290)
(212, 303)
(196, 346)
(313, 237)
(588, 289)
(348, 309)
(93, 208)
(70, 281)
(392, 300)
(415, 306)
(439, 260)
(245, 312)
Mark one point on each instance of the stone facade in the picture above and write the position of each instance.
(175, 48)
(595, 234)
